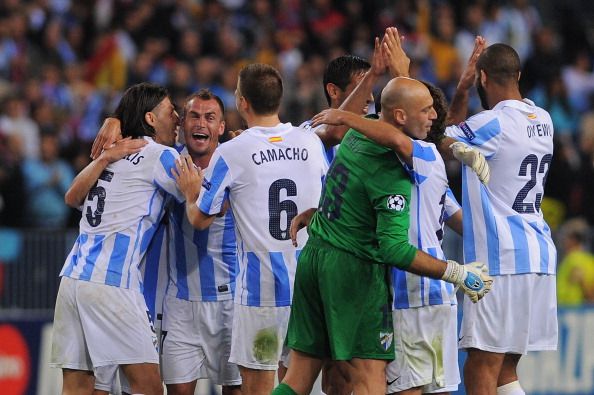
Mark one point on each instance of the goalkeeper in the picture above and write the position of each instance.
(342, 304)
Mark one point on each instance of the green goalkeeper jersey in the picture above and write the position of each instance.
(364, 208)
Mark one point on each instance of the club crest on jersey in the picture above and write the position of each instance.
(386, 339)
(466, 130)
(396, 202)
(206, 184)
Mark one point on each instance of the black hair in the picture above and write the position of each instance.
(136, 102)
(440, 104)
(501, 63)
(341, 69)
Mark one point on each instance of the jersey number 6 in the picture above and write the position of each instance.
(276, 208)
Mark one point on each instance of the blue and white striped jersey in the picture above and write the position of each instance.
(153, 268)
(329, 152)
(432, 202)
(120, 216)
(269, 175)
(503, 224)
(203, 263)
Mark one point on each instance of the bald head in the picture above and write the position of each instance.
(408, 103)
(401, 91)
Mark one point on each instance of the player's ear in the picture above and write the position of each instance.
(222, 128)
(399, 116)
(483, 77)
(150, 118)
(333, 90)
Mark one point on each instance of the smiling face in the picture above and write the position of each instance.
(203, 124)
(165, 121)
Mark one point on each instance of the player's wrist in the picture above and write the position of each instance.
(454, 273)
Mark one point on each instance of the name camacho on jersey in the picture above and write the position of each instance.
(203, 263)
(503, 224)
(269, 175)
(120, 216)
(432, 202)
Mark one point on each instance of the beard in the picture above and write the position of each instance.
(482, 95)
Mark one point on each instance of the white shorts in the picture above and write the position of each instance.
(258, 336)
(517, 316)
(425, 340)
(111, 379)
(97, 325)
(196, 342)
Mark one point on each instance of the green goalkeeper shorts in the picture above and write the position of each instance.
(341, 306)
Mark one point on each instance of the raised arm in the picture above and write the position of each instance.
(459, 105)
(84, 181)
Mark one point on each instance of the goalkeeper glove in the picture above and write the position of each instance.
(472, 278)
(472, 158)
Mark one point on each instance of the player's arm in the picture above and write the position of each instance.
(299, 222)
(459, 106)
(381, 132)
(110, 132)
(392, 214)
(332, 134)
(84, 181)
(189, 181)
(454, 222)
(449, 148)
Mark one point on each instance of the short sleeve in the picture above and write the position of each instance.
(481, 131)
(217, 180)
(163, 175)
(424, 157)
(451, 205)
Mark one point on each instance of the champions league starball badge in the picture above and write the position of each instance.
(396, 202)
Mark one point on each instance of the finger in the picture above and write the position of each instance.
(176, 174)
(179, 165)
(397, 38)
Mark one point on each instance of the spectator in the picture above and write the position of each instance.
(46, 182)
(17, 123)
(575, 277)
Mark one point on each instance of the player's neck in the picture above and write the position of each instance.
(504, 93)
(202, 160)
(269, 120)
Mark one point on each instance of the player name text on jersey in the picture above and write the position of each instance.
(276, 154)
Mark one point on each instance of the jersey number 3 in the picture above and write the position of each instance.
(94, 217)
(281, 210)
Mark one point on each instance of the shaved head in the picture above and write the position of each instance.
(407, 103)
(400, 92)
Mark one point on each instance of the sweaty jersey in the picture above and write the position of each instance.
(432, 202)
(503, 224)
(269, 175)
(120, 216)
(203, 263)
(364, 207)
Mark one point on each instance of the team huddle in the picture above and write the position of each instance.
(191, 261)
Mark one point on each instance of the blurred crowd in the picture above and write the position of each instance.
(64, 65)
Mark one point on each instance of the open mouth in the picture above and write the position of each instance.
(199, 136)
